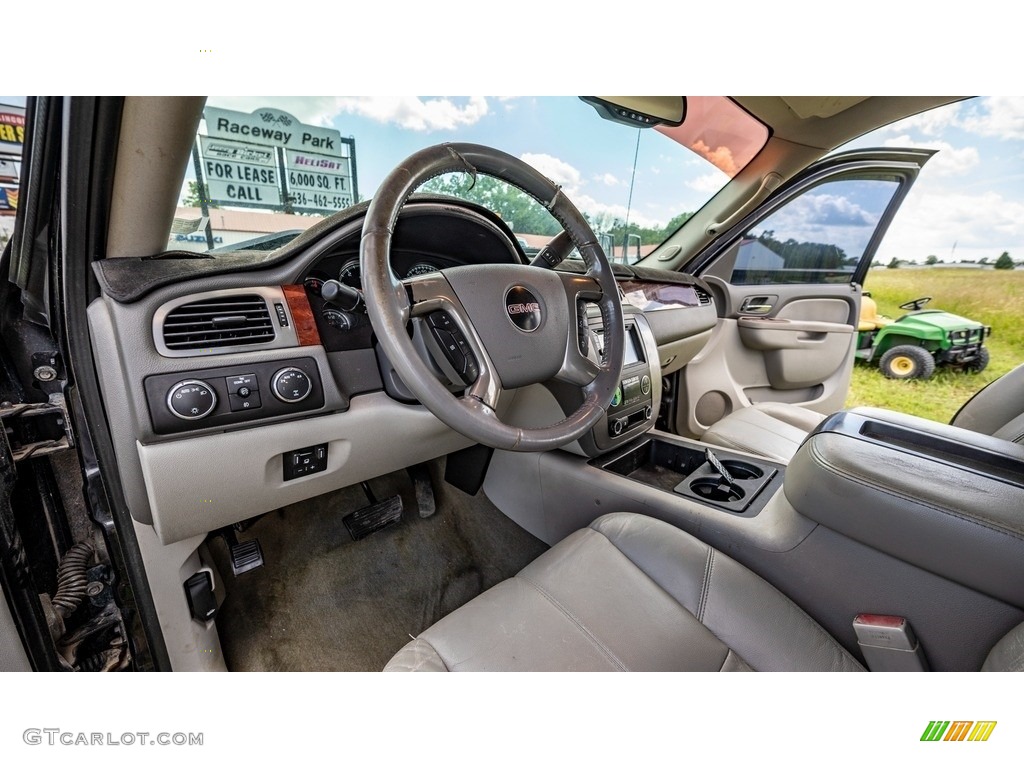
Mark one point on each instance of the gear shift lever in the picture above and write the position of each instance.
(720, 469)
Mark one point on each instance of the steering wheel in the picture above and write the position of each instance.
(916, 304)
(519, 324)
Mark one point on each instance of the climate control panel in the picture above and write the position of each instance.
(180, 402)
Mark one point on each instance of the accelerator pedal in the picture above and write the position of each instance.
(373, 517)
(424, 489)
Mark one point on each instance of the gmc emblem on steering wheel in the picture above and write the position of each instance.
(523, 308)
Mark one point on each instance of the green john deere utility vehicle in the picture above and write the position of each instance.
(911, 346)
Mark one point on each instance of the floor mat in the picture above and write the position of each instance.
(326, 602)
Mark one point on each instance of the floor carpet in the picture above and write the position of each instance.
(325, 602)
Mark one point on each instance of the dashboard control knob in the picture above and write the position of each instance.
(192, 399)
(645, 384)
(648, 412)
(291, 385)
(617, 426)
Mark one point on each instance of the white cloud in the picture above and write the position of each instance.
(408, 112)
(931, 123)
(710, 182)
(606, 213)
(318, 110)
(948, 162)
(557, 170)
(983, 224)
(608, 179)
(999, 116)
(416, 114)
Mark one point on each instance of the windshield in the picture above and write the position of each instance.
(264, 169)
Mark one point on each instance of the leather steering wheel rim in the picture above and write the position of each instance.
(391, 304)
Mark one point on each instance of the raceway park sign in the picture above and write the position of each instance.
(272, 128)
(268, 159)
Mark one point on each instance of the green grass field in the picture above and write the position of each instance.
(991, 297)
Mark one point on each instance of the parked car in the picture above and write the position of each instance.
(303, 458)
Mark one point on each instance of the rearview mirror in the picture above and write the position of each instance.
(640, 111)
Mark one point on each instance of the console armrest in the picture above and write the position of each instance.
(946, 499)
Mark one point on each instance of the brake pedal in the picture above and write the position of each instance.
(245, 555)
(373, 517)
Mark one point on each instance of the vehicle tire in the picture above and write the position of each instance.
(978, 364)
(907, 362)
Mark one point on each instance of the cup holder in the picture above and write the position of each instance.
(715, 489)
(741, 470)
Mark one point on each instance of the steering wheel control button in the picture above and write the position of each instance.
(291, 385)
(582, 327)
(454, 346)
(645, 384)
(441, 320)
(305, 461)
(245, 402)
(191, 400)
(523, 309)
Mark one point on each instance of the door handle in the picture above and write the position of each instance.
(756, 305)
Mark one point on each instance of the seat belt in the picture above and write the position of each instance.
(889, 644)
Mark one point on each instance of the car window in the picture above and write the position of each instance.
(265, 169)
(818, 237)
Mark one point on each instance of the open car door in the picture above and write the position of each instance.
(787, 281)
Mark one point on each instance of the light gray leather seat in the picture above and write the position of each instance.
(776, 430)
(634, 593)
(628, 593)
(772, 430)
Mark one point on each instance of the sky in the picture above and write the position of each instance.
(968, 202)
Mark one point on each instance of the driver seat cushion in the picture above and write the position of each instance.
(627, 593)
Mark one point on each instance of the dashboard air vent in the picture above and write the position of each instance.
(224, 321)
(703, 297)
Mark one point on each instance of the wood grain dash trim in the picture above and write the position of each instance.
(302, 315)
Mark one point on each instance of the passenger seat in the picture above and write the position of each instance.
(776, 430)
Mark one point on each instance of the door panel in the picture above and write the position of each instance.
(786, 282)
(798, 353)
(807, 363)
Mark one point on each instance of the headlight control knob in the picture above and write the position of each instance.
(291, 385)
(191, 400)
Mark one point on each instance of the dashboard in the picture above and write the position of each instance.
(254, 382)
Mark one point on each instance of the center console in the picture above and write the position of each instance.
(886, 480)
(690, 470)
(633, 408)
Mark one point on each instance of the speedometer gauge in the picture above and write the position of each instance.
(421, 269)
(350, 274)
